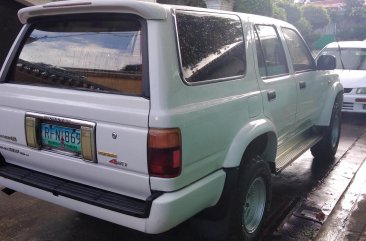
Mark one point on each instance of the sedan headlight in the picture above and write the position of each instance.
(361, 91)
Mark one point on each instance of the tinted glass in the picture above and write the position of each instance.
(211, 46)
(352, 58)
(93, 54)
(270, 53)
(300, 54)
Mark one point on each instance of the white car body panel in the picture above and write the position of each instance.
(167, 211)
(352, 78)
(123, 115)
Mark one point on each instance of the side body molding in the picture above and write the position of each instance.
(246, 135)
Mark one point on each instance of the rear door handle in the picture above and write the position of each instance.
(302, 85)
(271, 94)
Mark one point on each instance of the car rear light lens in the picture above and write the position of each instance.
(164, 153)
(31, 132)
(87, 144)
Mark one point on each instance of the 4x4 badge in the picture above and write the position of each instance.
(119, 163)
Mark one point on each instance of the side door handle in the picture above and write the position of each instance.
(302, 85)
(271, 95)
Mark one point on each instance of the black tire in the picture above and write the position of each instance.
(251, 200)
(327, 147)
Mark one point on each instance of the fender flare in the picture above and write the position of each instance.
(326, 114)
(245, 136)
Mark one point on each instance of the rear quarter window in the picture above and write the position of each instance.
(96, 53)
(211, 46)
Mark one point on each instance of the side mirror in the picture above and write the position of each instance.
(326, 62)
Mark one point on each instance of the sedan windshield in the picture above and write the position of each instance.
(352, 58)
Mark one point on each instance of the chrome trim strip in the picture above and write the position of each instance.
(60, 119)
(67, 121)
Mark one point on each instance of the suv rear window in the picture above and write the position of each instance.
(92, 54)
(211, 46)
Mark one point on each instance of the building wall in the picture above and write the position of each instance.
(9, 26)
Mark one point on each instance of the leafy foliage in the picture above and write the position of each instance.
(317, 16)
(304, 27)
(354, 3)
(260, 7)
(350, 20)
(194, 3)
(293, 12)
(279, 13)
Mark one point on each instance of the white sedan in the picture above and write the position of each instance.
(351, 67)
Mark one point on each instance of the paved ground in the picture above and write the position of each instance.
(313, 212)
(23, 218)
(348, 219)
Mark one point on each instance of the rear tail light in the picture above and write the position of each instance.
(87, 144)
(31, 132)
(164, 153)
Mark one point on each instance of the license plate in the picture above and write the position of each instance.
(60, 137)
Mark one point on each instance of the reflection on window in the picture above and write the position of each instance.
(352, 58)
(99, 55)
(211, 46)
(270, 53)
(300, 55)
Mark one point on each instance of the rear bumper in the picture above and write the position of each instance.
(159, 213)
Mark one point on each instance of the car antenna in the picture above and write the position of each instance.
(339, 47)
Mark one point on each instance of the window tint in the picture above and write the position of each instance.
(300, 54)
(89, 54)
(270, 53)
(211, 46)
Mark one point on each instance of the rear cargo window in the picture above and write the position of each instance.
(211, 46)
(87, 54)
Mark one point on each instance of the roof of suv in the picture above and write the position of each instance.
(145, 9)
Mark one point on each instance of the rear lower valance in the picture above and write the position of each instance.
(94, 196)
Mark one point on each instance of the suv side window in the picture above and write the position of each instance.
(211, 46)
(300, 54)
(270, 54)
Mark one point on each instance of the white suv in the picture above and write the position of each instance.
(145, 114)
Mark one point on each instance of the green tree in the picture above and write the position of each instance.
(304, 27)
(355, 10)
(350, 21)
(306, 31)
(260, 7)
(316, 16)
(354, 3)
(194, 3)
(279, 13)
(293, 12)
(336, 16)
